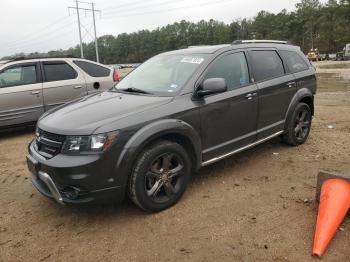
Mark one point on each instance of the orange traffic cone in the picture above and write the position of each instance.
(334, 204)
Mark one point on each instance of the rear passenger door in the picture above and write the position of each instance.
(276, 88)
(304, 73)
(62, 83)
(21, 97)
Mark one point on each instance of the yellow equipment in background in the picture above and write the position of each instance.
(314, 55)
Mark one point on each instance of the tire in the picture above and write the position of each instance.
(160, 176)
(299, 126)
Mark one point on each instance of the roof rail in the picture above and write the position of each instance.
(20, 58)
(254, 41)
(4, 61)
(195, 46)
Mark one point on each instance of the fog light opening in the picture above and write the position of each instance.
(71, 192)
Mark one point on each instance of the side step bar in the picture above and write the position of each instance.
(215, 159)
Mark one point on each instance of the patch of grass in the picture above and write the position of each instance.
(335, 66)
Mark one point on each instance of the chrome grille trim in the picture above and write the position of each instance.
(48, 144)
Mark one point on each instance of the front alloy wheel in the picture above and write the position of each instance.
(160, 176)
(165, 177)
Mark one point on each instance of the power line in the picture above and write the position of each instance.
(125, 13)
(146, 6)
(126, 5)
(41, 42)
(45, 35)
(37, 32)
(168, 10)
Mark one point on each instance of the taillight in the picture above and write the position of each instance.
(115, 76)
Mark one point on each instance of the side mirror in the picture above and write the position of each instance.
(212, 86)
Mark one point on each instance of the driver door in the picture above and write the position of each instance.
(229, 119)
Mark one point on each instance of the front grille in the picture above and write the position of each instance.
(47, 144)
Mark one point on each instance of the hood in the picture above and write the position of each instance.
(84, 116)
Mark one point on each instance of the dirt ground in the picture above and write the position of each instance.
(258, 205)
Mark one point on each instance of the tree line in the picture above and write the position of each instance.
(311, 24)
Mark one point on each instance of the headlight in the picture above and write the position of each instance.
(88, 144)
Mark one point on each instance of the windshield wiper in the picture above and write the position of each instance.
(135, 90)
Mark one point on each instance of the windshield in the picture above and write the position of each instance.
(161, 75)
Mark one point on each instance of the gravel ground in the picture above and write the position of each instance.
(255, 206)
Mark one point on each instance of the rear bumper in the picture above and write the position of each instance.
(76, 179)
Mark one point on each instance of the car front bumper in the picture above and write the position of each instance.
(79, 179)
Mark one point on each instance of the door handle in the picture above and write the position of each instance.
(251, 95)
(35, 92)
(291, 84)
(77, 87)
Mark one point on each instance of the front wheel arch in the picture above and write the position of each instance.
(172, 130)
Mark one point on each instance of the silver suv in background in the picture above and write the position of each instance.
(29, 87)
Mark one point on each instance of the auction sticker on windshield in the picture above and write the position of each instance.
(192, 60)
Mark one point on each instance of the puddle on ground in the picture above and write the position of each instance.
(332, 82)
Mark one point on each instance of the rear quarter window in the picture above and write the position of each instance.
(93, 69)
(266, 64)
(294, 61)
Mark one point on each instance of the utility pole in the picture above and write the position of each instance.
(96, 44)
(93, 10)
(312, 39)
(81, 41)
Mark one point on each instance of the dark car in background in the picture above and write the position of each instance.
(339, 56)
(175, 113)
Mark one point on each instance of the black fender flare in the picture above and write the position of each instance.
(150, 133)
(298, 96)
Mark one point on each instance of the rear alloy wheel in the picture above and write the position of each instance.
(302, 125)
(299, 126)
(160, 176)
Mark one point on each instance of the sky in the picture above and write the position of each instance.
(44, 25)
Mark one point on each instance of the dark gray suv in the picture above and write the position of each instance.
(175, 113)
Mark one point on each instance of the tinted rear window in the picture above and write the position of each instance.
(266, 65)
(92, 69)
(58, 71)
(294, 62)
